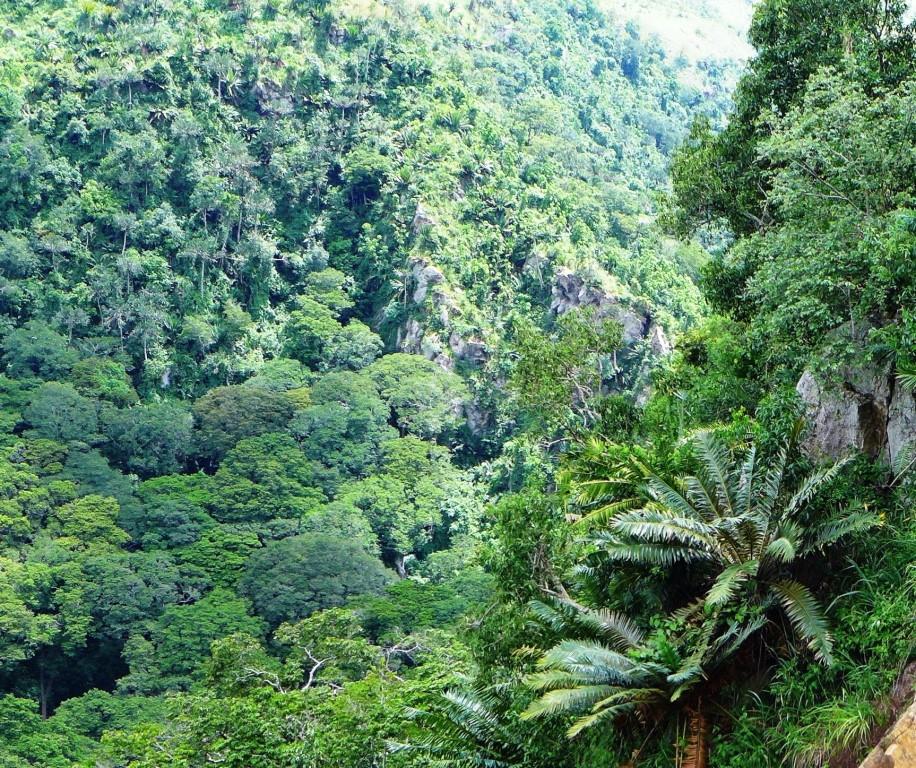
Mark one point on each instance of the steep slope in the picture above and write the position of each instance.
(170, 174)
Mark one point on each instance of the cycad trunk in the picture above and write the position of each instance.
(696, 754)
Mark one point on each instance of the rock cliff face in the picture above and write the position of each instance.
(897, 749)
(863, 410)
(571, 291)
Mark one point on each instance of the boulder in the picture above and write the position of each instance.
(337, 35)
(898, 748)
(478, 418)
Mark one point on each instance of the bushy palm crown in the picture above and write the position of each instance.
(734, 522)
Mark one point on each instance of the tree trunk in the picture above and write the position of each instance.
(697, 752)
(45, 687)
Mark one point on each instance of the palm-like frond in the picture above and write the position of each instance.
(622, 631)
(580, 676)
(728, 643)
(647, 554)
(715, 459)
(772, 482)
(614, 706)
(904, 461)
(464, 729)
(564, 616)
(906, 378)
(567, 700)
(606, 513)
(814, 483)
(610, 712)
(805, 614)
(831, 531)
(736, 519)
(729, 581)
(659, 525)
(663, 493)
(744, 497)
(593, 662)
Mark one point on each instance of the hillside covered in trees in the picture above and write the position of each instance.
(454, 384)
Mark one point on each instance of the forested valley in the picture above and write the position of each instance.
(471, 384)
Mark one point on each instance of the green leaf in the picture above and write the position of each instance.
(806, 616)
(728, 582)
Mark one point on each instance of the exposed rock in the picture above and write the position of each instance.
(658, 341)
(901, 421)
(410, 337)
(470, 350)
(504, 33)
(422, 219)
(272, 98)
(898, 747)
(337, 35)
(571, 291)
(534, 266)
(424, 275)
(432, 348)
(864, 411)
(478, 419)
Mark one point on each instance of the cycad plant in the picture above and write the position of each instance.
(735, 532)
(467, 729)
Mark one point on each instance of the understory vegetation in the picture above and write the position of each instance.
(405, 385)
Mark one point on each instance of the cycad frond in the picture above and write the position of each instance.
(553, 679)
(744, 497)
(813, 483)
(565, 616)
(615, 627)
(472, 714)
(904, 461)
(662, 526)
(837, 528)
(727, 644)
(613, 706)
(663, 493)
(464, 729)
(606, 513)
(772, 483)
(607, 713)
(806, 616)
(906, 378)
(567, 700)
(728, 581)
(714, 456)
(648, 554)
(591, 660)
(782, 549)
(702, 499)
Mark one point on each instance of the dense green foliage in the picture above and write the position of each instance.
(339, 422)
